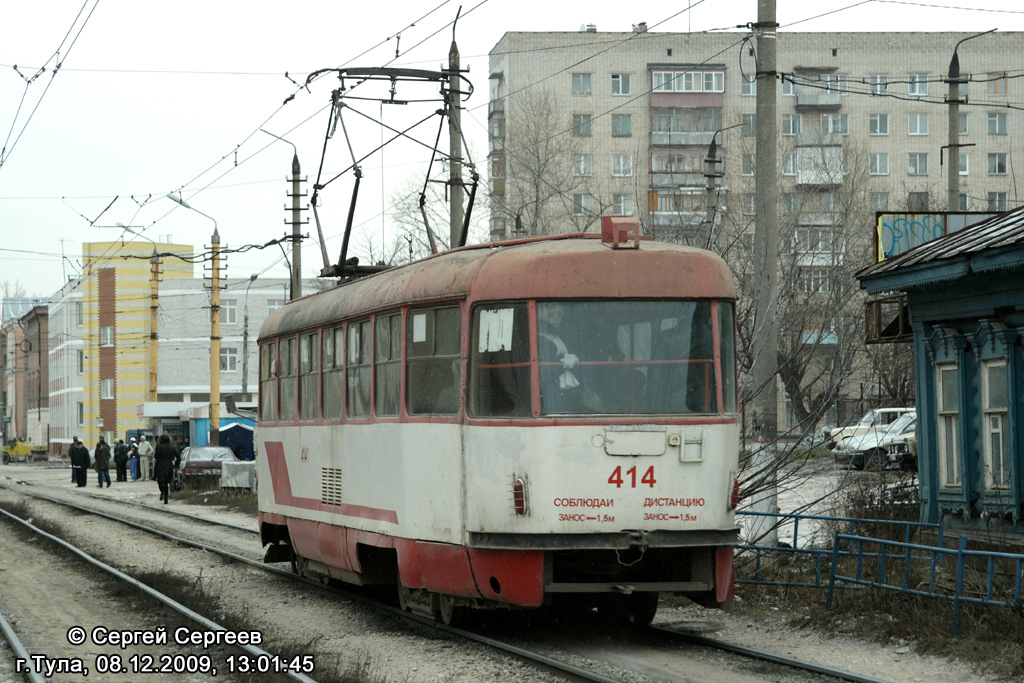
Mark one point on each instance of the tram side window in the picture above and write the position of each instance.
(309, 374)
(499, 368)
(359, 369)
(268, 382)
(334, 377)
(432, 349)
(727, 341)
(388, 364)
(287, 376)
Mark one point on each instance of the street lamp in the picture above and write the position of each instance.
(214, 323)
(953, 134)
(245, 338)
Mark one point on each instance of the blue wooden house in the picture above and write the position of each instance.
(965, 308)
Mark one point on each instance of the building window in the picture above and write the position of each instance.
(107, 335)
(358, 369)
(997, 163)
(622, 125)
(620, 84)
(334, 372)
(964, 201)
(274, 304)
(622, 165)
(748, 84)
(963, 124)
(917, 124)
(581, 125)
(789, 163)
(79, 314)
(107, 388)
(81, 362)
(789, 87)
(811, 280)
(388, 364)
(917, 84)
(879, 84)
(582, 204)
(791, 124)
(676, 160)
(835, 83)
(918, 164)
(948, 392)
(996, 124)
(749, 123)
(749, 203)
(686, 119)
(878, 164)
(835, 123)
(688, 81)
(997, 201)
(917, 202)
(748, 164)
(228, 360)
(666, 201)
(309, 375)
(810, 240)
(830, 203)
(229, 311)
(498, 167)
(268, 382)
(663, 81)
(997, 84)
(997, 432)
(878, 124)
(792, 202)
(80, 409)
(964, 163)
(582, 164)
(623, 205)
(432, 342)
(879, 201)
(581, 84)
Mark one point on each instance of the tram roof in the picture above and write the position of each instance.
(566, 266)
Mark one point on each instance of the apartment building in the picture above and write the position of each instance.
(591, 123)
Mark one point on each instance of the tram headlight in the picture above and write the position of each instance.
(519, 502)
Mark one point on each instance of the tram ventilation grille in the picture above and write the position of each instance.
(330, 486)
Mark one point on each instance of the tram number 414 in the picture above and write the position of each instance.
(629, 479)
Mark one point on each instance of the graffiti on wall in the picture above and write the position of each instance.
(896, 233)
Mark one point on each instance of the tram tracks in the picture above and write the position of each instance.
(558, 667)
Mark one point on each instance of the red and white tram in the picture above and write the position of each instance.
(504, 423)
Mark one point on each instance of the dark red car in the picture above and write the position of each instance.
(204, 461)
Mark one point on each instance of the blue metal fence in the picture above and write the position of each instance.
(874, 559)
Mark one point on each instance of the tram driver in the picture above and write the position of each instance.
(561, 388)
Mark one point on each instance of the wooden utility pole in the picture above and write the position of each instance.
(215, 340)
(154, 293)
(454, 147)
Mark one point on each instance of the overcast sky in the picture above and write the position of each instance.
(153, 98)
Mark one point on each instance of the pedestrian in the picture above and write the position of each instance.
(133, 458)
(121, 460)
(145, 458)
(80, 462)
(101, 461)
(166, 462)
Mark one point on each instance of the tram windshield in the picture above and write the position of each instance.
(606, 358)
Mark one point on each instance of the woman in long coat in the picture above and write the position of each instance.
(165, 462)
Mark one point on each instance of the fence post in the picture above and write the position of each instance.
(832, 570)
(960, 571)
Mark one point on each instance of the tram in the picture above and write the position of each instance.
(509, 425)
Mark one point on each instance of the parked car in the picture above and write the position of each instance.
(871, 449)
(201, 462)
(875, 420)
(903, 453)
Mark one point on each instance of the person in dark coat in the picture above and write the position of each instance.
(101, 461)
(121, 460)
(133, 458)
(166, 460)
(80, 462)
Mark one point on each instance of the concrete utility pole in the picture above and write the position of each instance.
(954, 79)
(711, 175)
(245, 339)
(297, 222)
(154, 294)
(765, 340)
(454, 147)
(215, 340)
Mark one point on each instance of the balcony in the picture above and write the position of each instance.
(698, 138)
(819, 140)
(818, 100)
(677, 219)
(660, 179)
(820, 166)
